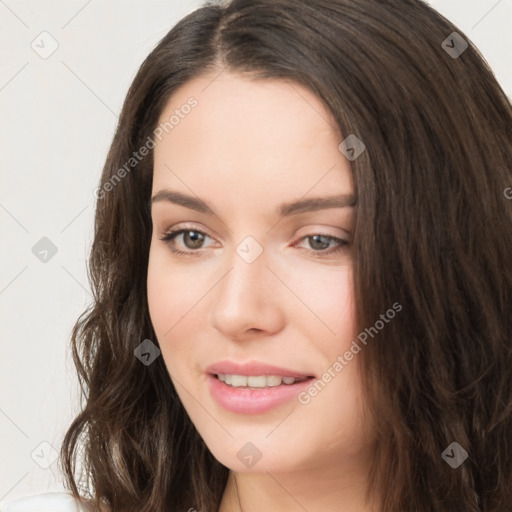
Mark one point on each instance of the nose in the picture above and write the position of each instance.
(248, 301)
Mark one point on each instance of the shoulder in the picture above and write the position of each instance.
(48, 502)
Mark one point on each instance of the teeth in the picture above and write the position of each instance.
(259, 381)
(238, 381)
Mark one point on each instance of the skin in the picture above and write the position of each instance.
(248, 146)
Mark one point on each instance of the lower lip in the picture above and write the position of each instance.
(253, 401)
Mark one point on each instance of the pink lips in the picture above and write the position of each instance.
(245, 400)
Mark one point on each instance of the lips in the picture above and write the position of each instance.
(254, 401)
(253, 368)
(250, 400)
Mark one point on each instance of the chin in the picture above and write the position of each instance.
(253, 449)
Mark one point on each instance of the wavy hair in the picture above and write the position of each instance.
(433, 233)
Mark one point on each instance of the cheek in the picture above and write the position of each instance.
(171, 290)
(161, 294)
(344, 314)
(177, 301)
(327, 311)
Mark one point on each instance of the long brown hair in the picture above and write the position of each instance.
(433, 233)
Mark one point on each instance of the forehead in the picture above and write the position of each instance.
(260, 137)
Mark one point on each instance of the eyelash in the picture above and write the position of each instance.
(169, 237)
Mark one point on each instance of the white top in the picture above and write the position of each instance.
(48, 502)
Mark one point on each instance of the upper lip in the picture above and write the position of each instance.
(252, 368)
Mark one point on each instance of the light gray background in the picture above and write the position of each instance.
(58, 119)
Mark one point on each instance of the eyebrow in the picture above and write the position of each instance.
(284, 210)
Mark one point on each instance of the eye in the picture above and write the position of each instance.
(192, 239)
(321, 244)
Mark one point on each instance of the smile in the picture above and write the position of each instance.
(250, 399)
(257, 381)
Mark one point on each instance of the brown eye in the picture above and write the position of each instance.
(319, 242)
(324, 245)
(192, 239)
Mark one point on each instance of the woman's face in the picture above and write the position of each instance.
(264, 276)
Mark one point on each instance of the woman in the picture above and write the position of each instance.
(302, 270)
